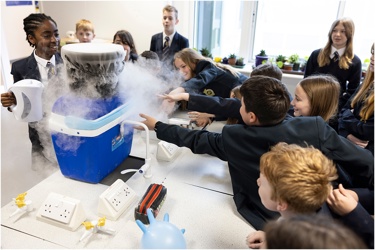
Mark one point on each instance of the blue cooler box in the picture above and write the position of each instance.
(87, 138)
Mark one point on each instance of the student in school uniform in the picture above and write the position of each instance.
(356, 119)
(85, 32)
(176, 41)
(125, 39)
(43, 35)
(202, 76)
(338, 59)
(265, 102)
(293, 180)
(218, 107)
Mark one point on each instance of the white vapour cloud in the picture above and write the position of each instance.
(138, 83)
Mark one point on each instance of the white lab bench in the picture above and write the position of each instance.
(199, 199)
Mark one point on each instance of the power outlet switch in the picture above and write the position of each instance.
(61, 211)
(167, 151)
(116, 200)
(56, 207)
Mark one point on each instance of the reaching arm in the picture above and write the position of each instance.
(175, 97)
(220, 107)
(199, 141)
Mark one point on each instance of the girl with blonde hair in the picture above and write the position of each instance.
(338, 59)
(204, 76)
(356, 119)
(316, 96)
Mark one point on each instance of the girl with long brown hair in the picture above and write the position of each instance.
(356, 121)
(338, 59)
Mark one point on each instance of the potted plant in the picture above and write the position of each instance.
(206, 53)
(288, 66)
(294, 60)
(280, 60)
(218, 59)
(365, 64)
(232, 59)
(261, 58)
(240, 62)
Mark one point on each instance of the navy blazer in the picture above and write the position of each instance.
(359, 219)
(211, 80)
(222, 108)
(179, 42)
(27, 68)
(349, 79)
(350, 123)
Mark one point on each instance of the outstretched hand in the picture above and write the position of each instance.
(149, 122)
(175, 97)
(201, 119)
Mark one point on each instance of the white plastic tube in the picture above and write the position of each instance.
(146, 168)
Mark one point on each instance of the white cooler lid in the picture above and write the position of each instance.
(77, 126)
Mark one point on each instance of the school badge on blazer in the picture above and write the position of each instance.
(208, 92)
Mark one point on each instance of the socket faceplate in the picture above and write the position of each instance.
(61, 211)
(115, 200)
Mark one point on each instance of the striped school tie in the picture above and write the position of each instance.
(336, 56)
(166, 48)
(51, 70)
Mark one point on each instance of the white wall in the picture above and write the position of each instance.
(13, 38)
(141, 18)
(12, 25)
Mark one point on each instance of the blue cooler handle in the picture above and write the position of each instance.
(83, 124)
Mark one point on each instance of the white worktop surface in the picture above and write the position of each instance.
(199, 199)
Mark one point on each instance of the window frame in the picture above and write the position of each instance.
(249, 25)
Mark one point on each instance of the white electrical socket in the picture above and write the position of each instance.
(57, 208)
(62, 211)
(167, 151)
(115, 200)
